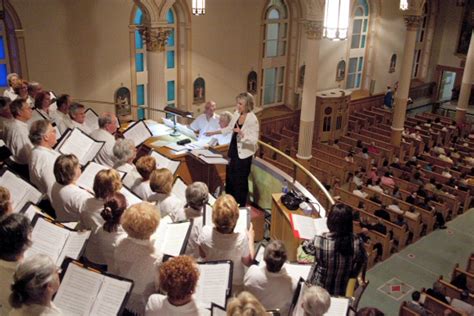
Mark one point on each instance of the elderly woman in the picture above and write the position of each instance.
(15, 231)
(35, 282)
(270, 283)
(136, 257)
(245, 128)
(222, 243)
(42, 104)
(5, 202)
(124, 153)
(161, 183)
(178, 278)
(106, 183)
(224, 121)
(339, 255)
(66, 197)
(245, 304)
(145, 166)
(315, 301)
(21, 90)
(101, 245)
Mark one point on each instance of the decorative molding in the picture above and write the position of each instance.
(155, 37)
(313, 29)
(412, 22)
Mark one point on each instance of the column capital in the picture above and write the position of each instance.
(155, 37)
(313, 29)
(412, 22)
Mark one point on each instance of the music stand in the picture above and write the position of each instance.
(177, 112)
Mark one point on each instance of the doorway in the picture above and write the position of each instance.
(447, 84)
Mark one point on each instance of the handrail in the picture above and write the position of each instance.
(296, 164)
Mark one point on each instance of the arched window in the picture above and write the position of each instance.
(358, 43)
(199, 90)
(274, 53)
(420, 43)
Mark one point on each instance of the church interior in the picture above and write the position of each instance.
(360, 103)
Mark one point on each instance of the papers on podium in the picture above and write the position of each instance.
(91, 119)
(243, 223)
(215, 282)
(305, 227)
(172, 238)
(138, 132)
(78, 143)
(87, 291)
(54, 239)
(163, 162)
(21, 191)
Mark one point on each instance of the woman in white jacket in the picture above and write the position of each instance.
(245, 128)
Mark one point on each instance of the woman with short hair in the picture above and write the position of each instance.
(178, 278)
(161, 184)
(222, 243)
(245, 304)
(124, 153)
(315, 301)
(145, 166)
(5, 202)
(135, 256)
(35, 282)
(66, 197)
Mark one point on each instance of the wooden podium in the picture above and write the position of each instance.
(281, 226)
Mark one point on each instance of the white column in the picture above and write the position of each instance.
(314, 30)
(466, 84)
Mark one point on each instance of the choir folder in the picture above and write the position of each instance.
(138, 132)
(87, 291)
(91, 119)
(215, 282)
(21, 191)
(172, 238)
(163, 162)
(84, 147)
(243, 223)
(56, 240)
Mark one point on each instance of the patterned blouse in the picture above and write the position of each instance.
(331, 270)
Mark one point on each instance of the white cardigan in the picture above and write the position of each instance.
(246, 145)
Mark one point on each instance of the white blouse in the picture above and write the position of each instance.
(142, 189)
(101, 245)
(90, 218)
(37, 310)
(167, 204)
(68, 201)
(159, 305)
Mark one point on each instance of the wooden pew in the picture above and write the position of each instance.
(437, 307)
(332, 169)
(341, 153)
(469, 277)
(454, 292)
(334, 159)
(376, 237)
(406, 311)
(378, 158)
(386, 149)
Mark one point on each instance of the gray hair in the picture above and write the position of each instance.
(123, 150)
(16, 106)
(75, 107)
(249, 100)
(227, 116)
(316, 301)
(105, 118)
(197, 195)
(33, 85)
(37, 131)
(30, 279)
(11, 75)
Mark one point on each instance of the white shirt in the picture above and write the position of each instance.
(395, 208)
(160, 306)
(39, 115)
(462, 306)
(7, 269)
(16, 139)
(10, 93)
(273, 290)
(223, 139)
(42, 168)
(139, 261)
(83, 127)
(246, 145)
(131, 174)
(188, 213)
(219, 246)
(106, 155)
(142, 189)
(101, 245)
(63, 121)
(360, 193)
(167, 204)
(67, 201)
(37, 310)
(90, 218)
(203, 125)
(376, 188)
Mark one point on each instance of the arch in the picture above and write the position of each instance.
(252, 82)
(199, 90)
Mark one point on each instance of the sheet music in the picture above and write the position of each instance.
(48, 239)
(131, 198)
(218, 311)
(91, 120)
(259, 255)
(298, 309)
(183, 129)
(163, 162)
(214, 161)
(298, 270)
(21, 191)
(31, 211)
(86, 180)
(79, 144)
(213, 284)
(243, 223)
(339, 306)
(78, 291)
(207, 216)
(74, 245)
(111, 296)
(63, 139)
(171, 238)
(321, 226)
(211, 199)
(308, 227)
(179, 189)
(138, 133)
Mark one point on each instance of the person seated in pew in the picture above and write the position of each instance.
(462, 304)
(161, 183)
(35, 282)
(394, 207)
(375, 187)
(106, 183)
(387, 179)
(438, 292)
(77, 113)
(315, 302)
(207, 121)
(401, 221)
(417, 179)
(145, 166)
(373, 174)
(396, 193)
(446, 158)
(357, 179)
(431, 186)
(415, 304)
(446, 173)
(395, 163)
(5, 114)
(335, 144)
(428, 167)
(108, 125)
(374, 198)
(460, 281)
(416, 135)
(455, 154)
(428, 123)
(349, 157)
(382, 212)
(359, 144)
(359, 192)
(197, 195)
(5, 202)
(421, 192)
(102, 243)
(61, 115)
(124, 154)
(370, 311)
(270, 283)
(135, 256)
(178, 278)
(364, 153)
(245, 304)
(412, 198)
(440, 221)
(15, 233)
(222, 243)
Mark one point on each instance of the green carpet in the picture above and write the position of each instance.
(419, 265)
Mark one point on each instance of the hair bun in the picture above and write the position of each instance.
(107, 214)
